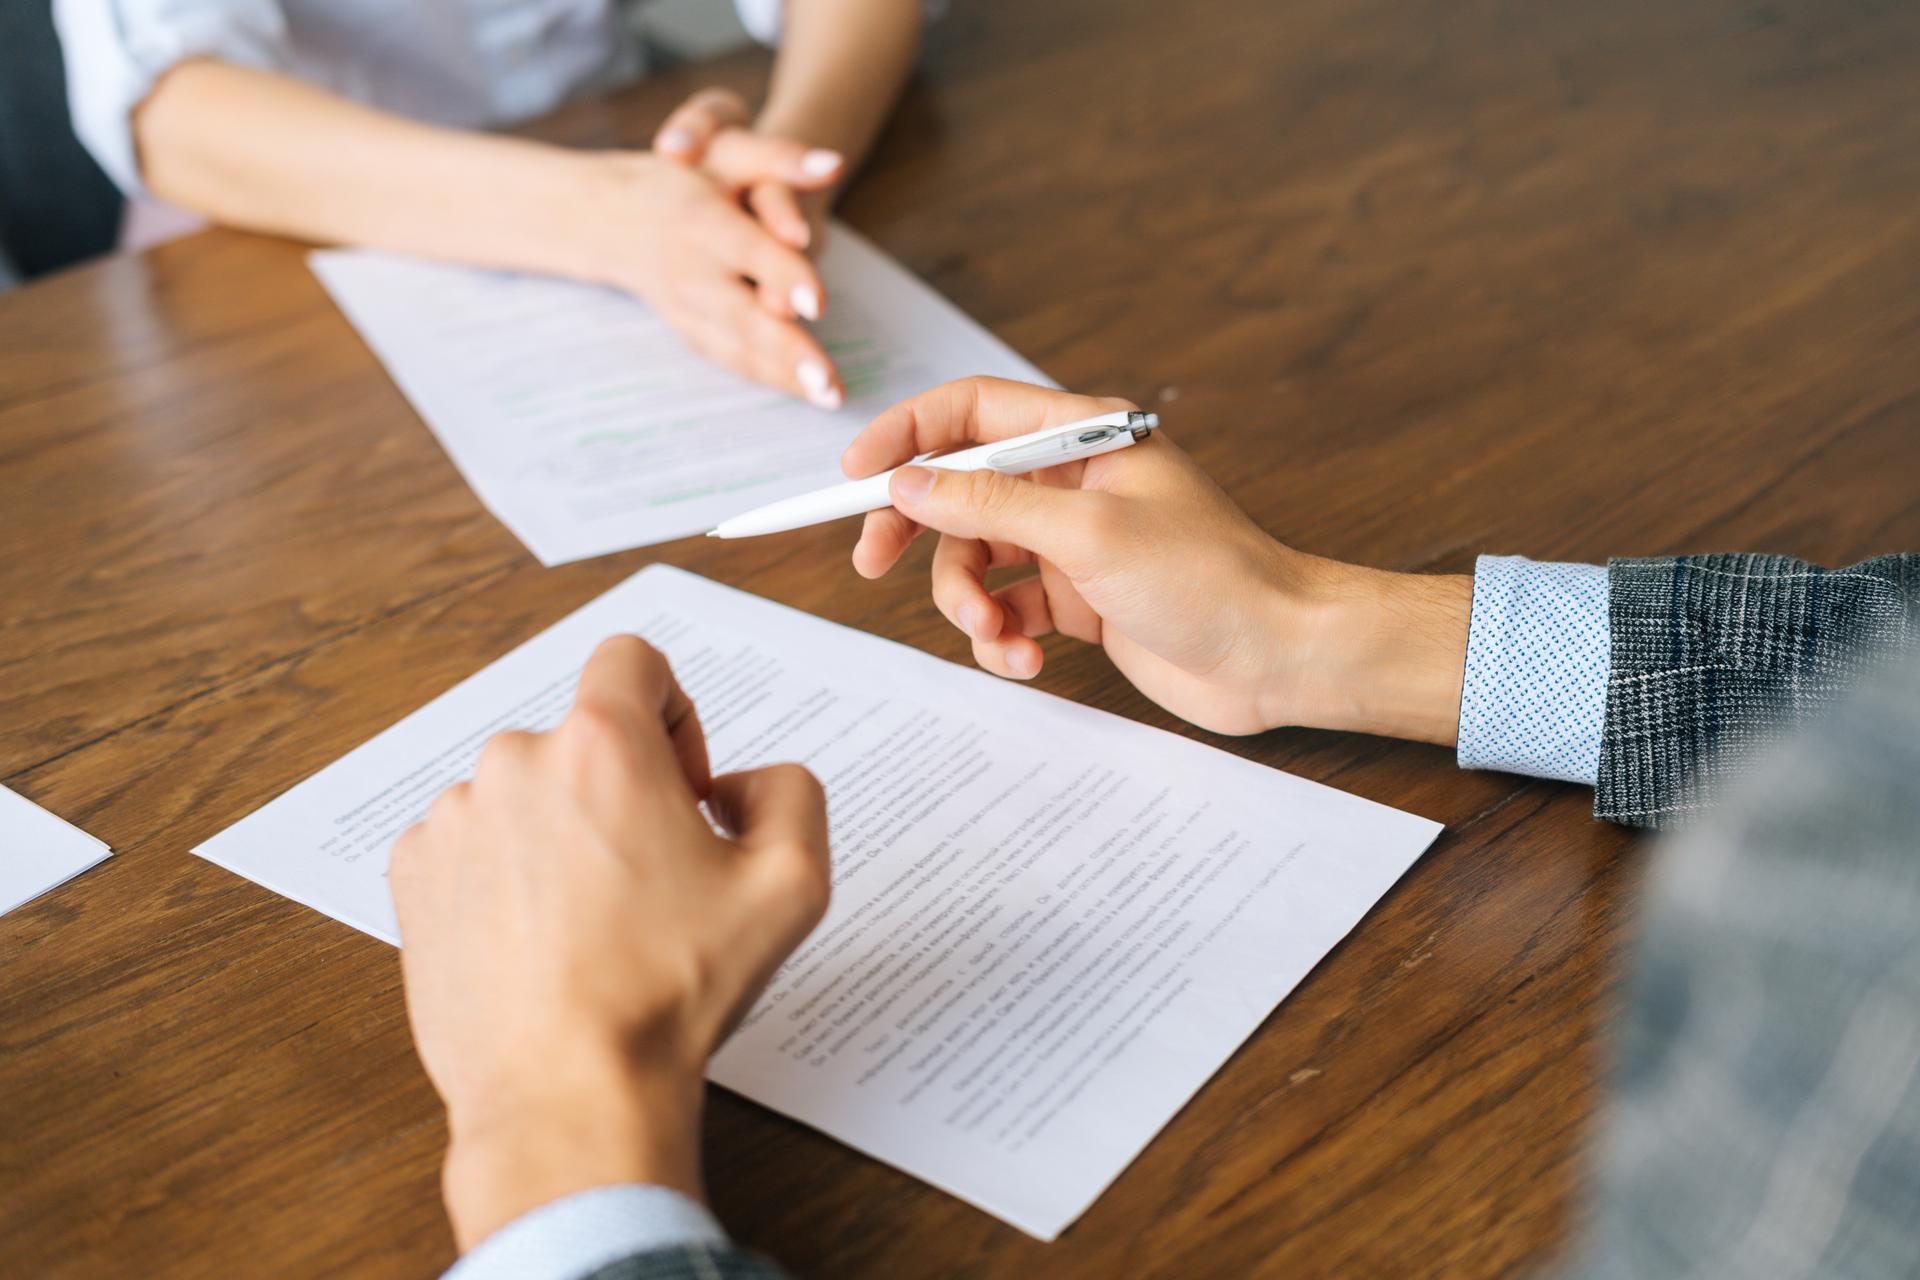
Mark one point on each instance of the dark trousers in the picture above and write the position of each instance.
(56, 206)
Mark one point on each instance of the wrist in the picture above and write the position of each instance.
(499, 202)
(574, 211)
(1385, 652)
(839, 73)
(517, 1149)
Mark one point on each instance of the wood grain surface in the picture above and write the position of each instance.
(1416, 280)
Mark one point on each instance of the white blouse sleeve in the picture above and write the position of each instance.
(761, 18)
(116, 49)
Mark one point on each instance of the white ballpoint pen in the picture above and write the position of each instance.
(1016, 455)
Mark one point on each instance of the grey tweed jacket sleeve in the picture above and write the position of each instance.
(1765, 1121)
(1711, 654)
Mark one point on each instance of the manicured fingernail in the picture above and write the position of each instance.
(806, 301)
(675, 139)
(819, 164)
(819, 388)
(970, 619)
(1023, 662)
(913, 483)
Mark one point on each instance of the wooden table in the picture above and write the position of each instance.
(1417, 281)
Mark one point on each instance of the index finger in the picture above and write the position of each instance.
(968, 411)
(630, 681)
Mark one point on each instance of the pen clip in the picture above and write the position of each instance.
(1070, 443)
(1055, 449)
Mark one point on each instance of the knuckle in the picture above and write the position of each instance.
(403, 862)
(792, 344)
(701, 341)
(816, 888)
(1105, 521)
(763, 203)
(754, 369)
(948, 591)
(775, 261)
(780, 344)
(991, 493)
(629, 648)
(689, 211)
(948, 599)
(451, 806)
(804, 879)
(709, 337)
(503, 753)
(953, 578)
(592, 732)
(802, 781)
(734, 336)
(671, 298)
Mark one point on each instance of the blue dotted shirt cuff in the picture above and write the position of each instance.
(581, 1233)
(1535, 696)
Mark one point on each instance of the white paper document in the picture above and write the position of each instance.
(39, 851)
(585, 424)
(1050, 925)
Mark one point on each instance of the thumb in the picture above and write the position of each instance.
(778, 817)
(778, 805)
(1055, 523)
(784, 876)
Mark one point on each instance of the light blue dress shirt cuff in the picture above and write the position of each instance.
(581, 1233)
(1535, 696)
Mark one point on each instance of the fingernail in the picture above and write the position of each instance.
(1023, 662)
(818, 164)
(913, 483)
(814, 381)
(675, 139)
(970, 619)
(806, 300)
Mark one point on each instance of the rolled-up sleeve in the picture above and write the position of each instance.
(115, 50)
(761, 18)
